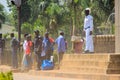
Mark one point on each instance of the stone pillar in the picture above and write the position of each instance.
(117, 26)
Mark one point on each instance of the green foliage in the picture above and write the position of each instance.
(26, 28)
(35, 9)
(25, 13)
(2, 14)
(1, 7)
(39, 26)
(6, 76)
(75, 1)
(53, 9)
(40, 13)
(0, 25)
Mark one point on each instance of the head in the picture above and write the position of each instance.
(47, 34)
(87, 11)
(12, 35)
(25, 35)
(0, 35)
(62, 33)
(36, 32)
(28, 37)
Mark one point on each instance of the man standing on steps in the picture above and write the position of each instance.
(88, 31)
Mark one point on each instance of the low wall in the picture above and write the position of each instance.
(104, 43)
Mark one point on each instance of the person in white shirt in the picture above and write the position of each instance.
(24, 62)
(88, 30)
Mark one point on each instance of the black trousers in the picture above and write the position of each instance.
(39, 60)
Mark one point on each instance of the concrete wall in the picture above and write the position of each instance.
(117, 26)
(104, 44)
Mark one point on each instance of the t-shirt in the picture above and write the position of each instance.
(28, 47)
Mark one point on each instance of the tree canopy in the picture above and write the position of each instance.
(2, 15)
(55, 15)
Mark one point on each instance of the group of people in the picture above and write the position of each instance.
(41, 46)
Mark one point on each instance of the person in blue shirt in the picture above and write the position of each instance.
(61, 47)
(47, 46)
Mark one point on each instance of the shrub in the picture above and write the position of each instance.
(6, 76)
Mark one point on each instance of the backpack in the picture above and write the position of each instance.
(47, 65)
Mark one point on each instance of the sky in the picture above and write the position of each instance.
(4, 3)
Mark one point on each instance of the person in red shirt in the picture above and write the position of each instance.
(28, 52)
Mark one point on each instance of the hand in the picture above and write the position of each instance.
(83, 33)
(90, 32)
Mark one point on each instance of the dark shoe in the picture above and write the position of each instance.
(87, 51)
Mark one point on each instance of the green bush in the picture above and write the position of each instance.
(26, 28)
(6, 76)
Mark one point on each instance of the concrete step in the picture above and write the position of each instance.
(114, 64)
(75, 75)
(64, 74)
(115, 57)
(113, 71)
(106, 63)
(113, 77)
(85, 69)
(93, 63)
(100, 57)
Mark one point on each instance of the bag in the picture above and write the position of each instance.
(47, 65)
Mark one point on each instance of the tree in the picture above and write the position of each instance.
(2, 15)
(62, 14)
(100, 9)
(25, 12)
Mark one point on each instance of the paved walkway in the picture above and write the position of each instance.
(30, 76)
(25, 76)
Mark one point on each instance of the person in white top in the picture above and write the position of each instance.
(24, 62)
(88, 30)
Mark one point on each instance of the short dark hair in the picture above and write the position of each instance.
(37, 31)
(46, 33)
(61, 33)
(12, 34)
(25, 34)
